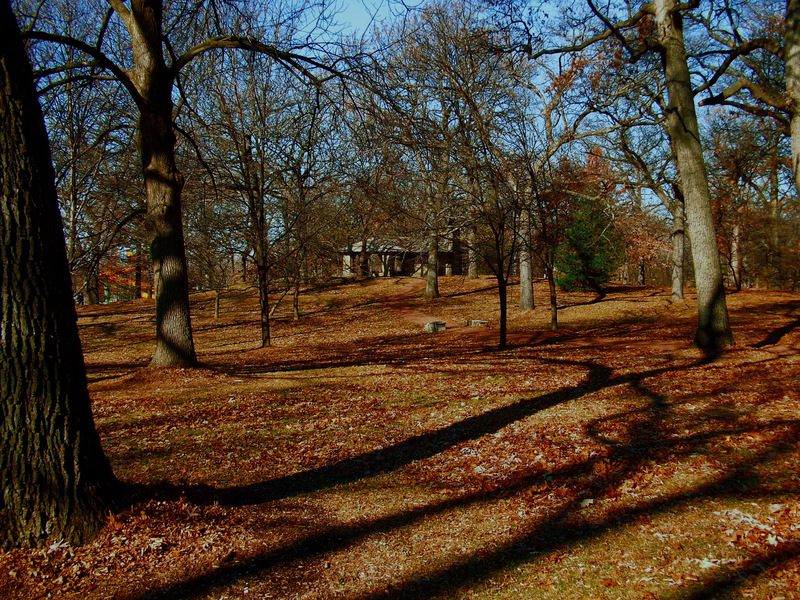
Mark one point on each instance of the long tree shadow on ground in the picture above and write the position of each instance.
(650, 437)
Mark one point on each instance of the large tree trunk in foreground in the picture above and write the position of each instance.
(713, 330)
(163, 184)
(55, 479)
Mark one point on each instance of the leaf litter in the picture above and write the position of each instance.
(361, 458)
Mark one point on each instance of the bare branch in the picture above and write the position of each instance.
(646, 9)
(295, 61)
(739, 51)
(759, 93)
(99, 56)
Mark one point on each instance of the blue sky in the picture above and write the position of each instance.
(358, 12)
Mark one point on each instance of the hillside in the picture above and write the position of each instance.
(361, 458)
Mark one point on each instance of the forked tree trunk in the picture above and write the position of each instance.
(163, 185)
(713, 330)
(56, 482)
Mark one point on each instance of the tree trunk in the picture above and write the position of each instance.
(363, 259)
(457, 262)
(792, 61)
(432, 272)
(526, 300)
(137, 274)
(92, 285)
(296, 299)
(263, 302)
(216, 303)
(775, 255)
(472, 254)
(502, 290)
(163, 185)
(678, 248)
(713, 330)
(56, 481)
(551, 281)
(736, 257)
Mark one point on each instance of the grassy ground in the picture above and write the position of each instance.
(360, 458)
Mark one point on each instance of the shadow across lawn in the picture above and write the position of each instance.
(649, 438)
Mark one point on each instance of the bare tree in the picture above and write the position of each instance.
(657, 27)
(161, 47)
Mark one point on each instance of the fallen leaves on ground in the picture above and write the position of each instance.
(361, 458)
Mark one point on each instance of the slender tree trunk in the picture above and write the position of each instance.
(216, 303)
(262, 280)
(363, 258)
(678, 248)
(296, 299)
(457, 261)
(137, 276)
(472, 254)
(502, 290)
(551, 281)
(432, 272)
(736, 257)
(92, 285)
(56, 481)
(775, 256)
(526, 300)
(713, 329)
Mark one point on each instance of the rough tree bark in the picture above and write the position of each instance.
(56, 481)
(163, 183)
(713, 330)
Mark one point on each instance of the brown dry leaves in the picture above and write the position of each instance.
(360, 458)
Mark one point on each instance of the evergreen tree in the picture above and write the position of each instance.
(592, 248)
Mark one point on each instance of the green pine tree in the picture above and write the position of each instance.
(592, 248)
